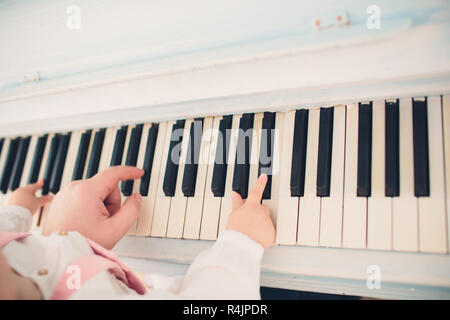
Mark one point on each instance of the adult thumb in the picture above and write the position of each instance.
(124, 218)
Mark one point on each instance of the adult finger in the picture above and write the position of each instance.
(256, 193)
(236, 200)
(106, 180)
(122, 221)
(113, 200)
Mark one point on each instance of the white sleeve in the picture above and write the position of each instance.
(15, 219)
(230, 269)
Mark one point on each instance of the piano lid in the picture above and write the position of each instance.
(61, 59)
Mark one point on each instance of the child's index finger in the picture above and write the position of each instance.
(258, 189)
(37, 185)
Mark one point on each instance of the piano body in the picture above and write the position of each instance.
(356, 96)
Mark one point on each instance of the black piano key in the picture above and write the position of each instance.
(420, 140)
(192, 158)
(392, 151)
(37, 159)
(96, 153)
(173, 159)
(298, 165)
(51, 158)
(148, 159)
(221, 158)
(16, 174)
(2, 140)
(8, 164)
(243, 152)
(119, 144)
(80, 161)
(266, 151)
(132, 155)
(325, 152)
(364, 180)
(60, 161)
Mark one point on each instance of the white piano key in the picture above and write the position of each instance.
(309, 207)
(139, 164)
(144, 225)
(226, 206)
(195, 204)
(88, 156)
(211, 204)
(272, 203)
(254, 154)
(432, 218)
(28, 160)
(71, 158)
(331, 207)
(44, 209)
(162, 203)
(124, 157)
(355, 208)
(446, 127)
(108, 145)
(379, 216)
(287, 210)
(178, 203)
(404, 208)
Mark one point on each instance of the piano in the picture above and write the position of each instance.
(349, 116)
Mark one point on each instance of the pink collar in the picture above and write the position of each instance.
(84, 268)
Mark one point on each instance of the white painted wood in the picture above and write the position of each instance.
(355, 208)
(226, 207)
(178, 203)
(148, 203)
(162, 203)
(331, 207)
(432, 218)
(278, 145)
(287, 210)
(446, 130)
(28, 161)
(309, 208)
(194, 206)
(211, 204)
(274, 60)
(379, 216)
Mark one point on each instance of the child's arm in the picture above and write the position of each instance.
(230, 269)
(22, 204)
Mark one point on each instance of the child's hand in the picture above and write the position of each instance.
(93, 207)
(250, 217)
(26, 198)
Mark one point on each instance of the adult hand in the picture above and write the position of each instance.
(93, 207)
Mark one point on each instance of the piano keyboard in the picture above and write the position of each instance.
(368, 175)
